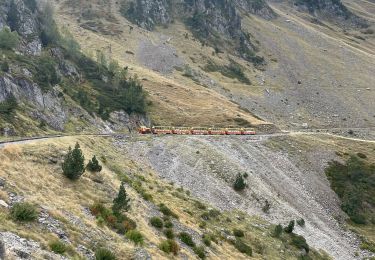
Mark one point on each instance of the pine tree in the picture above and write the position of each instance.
(240, 183)
(93, 165)
(73, 165)
(121, 202)
(289, 229)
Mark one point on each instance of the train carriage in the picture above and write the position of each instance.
(216, 131)
(199, 131)
(182, 131)
(248, 131)
(233, 131)
(162, 130)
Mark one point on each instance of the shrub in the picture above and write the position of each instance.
(23, 211)
(239, 183)
(73, 165)
(206, 239)
(277, 231)
(166, 211)
(243, 248)
(186, 238)
(46, 75)
(93, 165)
(289, 229)
(104, 254)
(353, 183)
(4, 66)
(8, 39)
(362, 155)
(169, 246)
(8, 107)
(121, 202)
(57, 247)
(135, 236)
(238, 233)
(156, 222)
(169, 233)
(200, 252)
(300, 242)
(168, 224)
(301, 222)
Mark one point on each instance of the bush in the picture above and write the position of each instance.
(300, 242)
(289, 229)
(168, 224)
(73, 165)
(277, 231)
(301, 222)
(4, 66)
(353, 182)
(23, 211)
(169, 246)
(169, 233)
(104, 254)
(239, 183)
(156, 222)
(135, 236)
(8, 40)
(206, 239)
(362, 155)
(238, 233)
(8, 107)
(200, 252)
(186, 238)
(58, 247)
(166, 211)
(93, 165)
(46, 74)
(243, 248)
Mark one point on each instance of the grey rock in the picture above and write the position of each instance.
(3, 204)
(141, 254)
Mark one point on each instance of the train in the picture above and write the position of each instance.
(170, 130)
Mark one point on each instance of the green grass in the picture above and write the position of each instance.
(354, 183)
(233, 71)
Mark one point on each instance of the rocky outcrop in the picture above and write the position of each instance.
(257, 7)
(22, 17)
(217, 23)
(14, 247)
(333, 10)
(147, 13)
(47, 106)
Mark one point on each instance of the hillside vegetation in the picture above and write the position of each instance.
(88, 214)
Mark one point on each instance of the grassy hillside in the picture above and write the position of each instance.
(66, 208)
(298, 86)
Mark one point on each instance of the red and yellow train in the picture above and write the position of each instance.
(170, 130)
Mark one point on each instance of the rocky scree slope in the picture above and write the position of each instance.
(208, 166)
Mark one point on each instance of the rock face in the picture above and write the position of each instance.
(333, 10)
(149, 13)
(217, 23)
(22, 17)
(47, 106)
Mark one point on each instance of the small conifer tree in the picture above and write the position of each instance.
(239, 183)
(73, 165)
(289, 229)
(121, 202)
(93, 165)
(278, 231)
